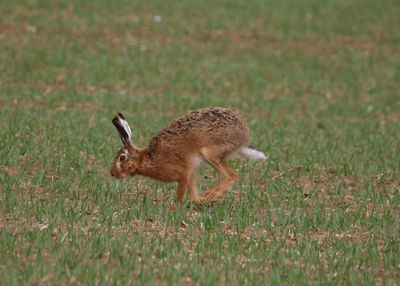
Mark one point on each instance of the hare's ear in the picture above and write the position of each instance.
(123, 129)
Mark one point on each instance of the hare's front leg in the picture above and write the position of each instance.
(193, 188)
(180, 192)
(188, 182)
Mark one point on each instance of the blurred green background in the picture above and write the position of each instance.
(318, 82)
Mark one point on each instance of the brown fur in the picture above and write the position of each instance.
(173, 155)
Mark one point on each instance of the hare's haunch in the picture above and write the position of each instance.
(208, 135)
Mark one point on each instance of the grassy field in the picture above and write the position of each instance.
(318, 82)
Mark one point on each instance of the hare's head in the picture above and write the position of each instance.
(127, 159)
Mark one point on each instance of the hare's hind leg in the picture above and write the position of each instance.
(228, 177)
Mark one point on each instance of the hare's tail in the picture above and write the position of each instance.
(252, 153)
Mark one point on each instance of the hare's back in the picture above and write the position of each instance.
(204, 127)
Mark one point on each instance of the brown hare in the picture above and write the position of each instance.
(210, 135)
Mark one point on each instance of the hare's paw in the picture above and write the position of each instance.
(211, 196)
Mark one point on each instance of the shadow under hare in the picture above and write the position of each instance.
(209, 135)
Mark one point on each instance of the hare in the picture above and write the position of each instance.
(210, 135)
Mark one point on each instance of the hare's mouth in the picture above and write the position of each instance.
(118, 175)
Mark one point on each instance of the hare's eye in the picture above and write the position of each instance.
(122, 158)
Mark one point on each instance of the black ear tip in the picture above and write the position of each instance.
(120, 115)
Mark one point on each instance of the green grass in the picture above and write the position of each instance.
(318, 82)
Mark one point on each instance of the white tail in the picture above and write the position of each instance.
(252, 153)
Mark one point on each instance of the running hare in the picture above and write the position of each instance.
(208, 135)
